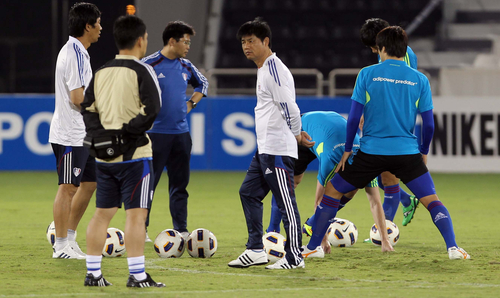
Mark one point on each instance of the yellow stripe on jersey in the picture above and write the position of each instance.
(418, 101)
(367, 97)
(319, 149)
(330, 176)
(407, 59)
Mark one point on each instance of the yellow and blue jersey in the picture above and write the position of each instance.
(392, 94)
(328, 130)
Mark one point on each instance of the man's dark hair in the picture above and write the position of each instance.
(80, 15)
(126, 30)
(176, 30)
(258, 27)
(395, 41)
(370, 29)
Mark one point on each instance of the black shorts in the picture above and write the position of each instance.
(305, 158)
(130, 183)
(74, 164)
(365, 167)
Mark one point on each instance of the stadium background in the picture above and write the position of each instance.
(457, 43)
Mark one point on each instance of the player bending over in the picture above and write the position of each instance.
(327, 130)
(390, 94)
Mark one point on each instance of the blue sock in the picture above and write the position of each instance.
(343, 201)
(325, 213)
(405, 198)
(442, 220)
(274, 223)
(391, 201)
(380, 184)
(310, 220)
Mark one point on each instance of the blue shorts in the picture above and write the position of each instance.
(74, 164)
(130, 183)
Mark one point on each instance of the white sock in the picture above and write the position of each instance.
(94, 265)
(71, 235)
(137, 268)
(61, 243)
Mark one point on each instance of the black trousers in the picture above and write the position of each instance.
(173, 152)
(274, 173)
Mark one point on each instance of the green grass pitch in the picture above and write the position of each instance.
(419, 266)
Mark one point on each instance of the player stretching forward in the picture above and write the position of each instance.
(391, 94)
(393, 194)
(327, 130)
(278, 128)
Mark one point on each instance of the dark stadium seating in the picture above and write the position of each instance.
(320, 34)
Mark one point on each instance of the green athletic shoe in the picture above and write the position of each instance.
(367, 240)
(307, 229)
(409, 212)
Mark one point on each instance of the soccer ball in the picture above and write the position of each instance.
(201, 243)
(392, 231)
(115, 243)
(169, 244)
(274, 245)
(51, 234)
(342, 233)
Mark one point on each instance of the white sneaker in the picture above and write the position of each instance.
(74, 245)
(67, 253)
(185, 235)
(147, 238)
(250, 257)
(318, 252)
(283, 264)
(457, 253)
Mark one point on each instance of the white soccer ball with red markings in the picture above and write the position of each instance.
(392, 231)
(169, 244)
(115, 243)
(274, 245)
(201, 243)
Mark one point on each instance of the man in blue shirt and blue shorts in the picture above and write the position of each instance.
(390, 94)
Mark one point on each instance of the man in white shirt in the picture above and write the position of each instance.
(278, 129)
(75, 168)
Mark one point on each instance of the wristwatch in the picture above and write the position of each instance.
(193, 103)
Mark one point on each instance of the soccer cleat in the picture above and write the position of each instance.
(147, 283)
(318, 252)
(409, 212)
(283, 264)
(91, 281)
(457, 253)
(147, 238)
(367, 240)
(74, 245)
(67, 253)
(307, 229)
(250, 257)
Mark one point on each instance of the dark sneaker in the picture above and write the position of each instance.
(147, 283)
(91, 281)
(409, 212)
